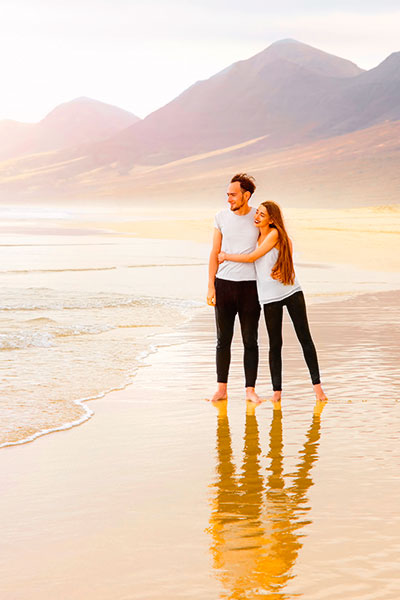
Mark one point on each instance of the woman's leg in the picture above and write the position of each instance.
(297, 310)
(273, 313)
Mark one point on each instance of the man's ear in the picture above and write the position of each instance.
(247, 196)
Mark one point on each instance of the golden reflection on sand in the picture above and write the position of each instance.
(257, 517)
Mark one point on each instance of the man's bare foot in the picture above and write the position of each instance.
(319, 392)
(220, 394)
(252, 396)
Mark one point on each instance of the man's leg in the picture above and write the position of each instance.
(225, 313)
(249, 315)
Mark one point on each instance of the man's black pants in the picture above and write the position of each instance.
(237, 298)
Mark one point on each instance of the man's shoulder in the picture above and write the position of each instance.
(221, 217)
(222, 212)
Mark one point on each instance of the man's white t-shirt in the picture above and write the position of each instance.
(239, 236)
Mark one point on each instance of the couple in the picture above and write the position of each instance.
(251, 264)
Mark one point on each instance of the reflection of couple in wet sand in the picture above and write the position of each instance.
(256, 518)
(251, 264)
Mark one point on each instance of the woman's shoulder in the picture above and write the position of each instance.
(272, 235)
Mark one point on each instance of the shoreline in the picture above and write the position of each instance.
(140, 359)
(171, 333)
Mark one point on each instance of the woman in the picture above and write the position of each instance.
(277, 287)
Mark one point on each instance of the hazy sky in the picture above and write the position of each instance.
(140, 54)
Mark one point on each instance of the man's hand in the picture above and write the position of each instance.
(211, 296)
(221, 257)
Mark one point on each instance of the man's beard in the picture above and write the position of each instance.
(237, 207)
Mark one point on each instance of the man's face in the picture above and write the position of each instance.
(236, 197)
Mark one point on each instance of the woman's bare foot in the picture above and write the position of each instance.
(276, 397)
(252, 396)
(319, 392)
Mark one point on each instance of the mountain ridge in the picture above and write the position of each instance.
(286, 96)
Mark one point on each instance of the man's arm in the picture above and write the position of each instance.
(213, 266)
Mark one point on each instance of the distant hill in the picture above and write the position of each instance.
(80, 121)
(12, 136)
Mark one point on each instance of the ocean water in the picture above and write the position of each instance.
(77, 316)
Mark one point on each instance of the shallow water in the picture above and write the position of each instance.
(76, 318)
(163, 495)
(304, 501)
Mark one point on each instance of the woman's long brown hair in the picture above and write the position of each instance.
(283, 269)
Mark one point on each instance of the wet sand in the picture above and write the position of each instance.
(163, 495)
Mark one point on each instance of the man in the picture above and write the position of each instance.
(232, 286)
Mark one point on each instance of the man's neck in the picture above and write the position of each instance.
(243, 210)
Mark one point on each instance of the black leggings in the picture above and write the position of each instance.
(273, 313)
(237, 298)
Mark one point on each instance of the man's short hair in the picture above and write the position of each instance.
(247, 182)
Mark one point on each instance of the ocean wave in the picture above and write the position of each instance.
(39, 320)
(38, 299)
(67, 303)
(82, 402)
(25, 339)
(164, 264)
(47, 339)
(68, 270)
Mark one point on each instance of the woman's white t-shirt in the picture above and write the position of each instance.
(271, 290)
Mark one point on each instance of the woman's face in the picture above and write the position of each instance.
(262, 218)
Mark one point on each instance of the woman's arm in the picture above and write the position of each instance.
(265, 246)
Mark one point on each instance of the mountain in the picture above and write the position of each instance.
(304, 55)
(271, 94)
(80, 121)
(371, 97)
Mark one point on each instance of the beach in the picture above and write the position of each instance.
(158, 493)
